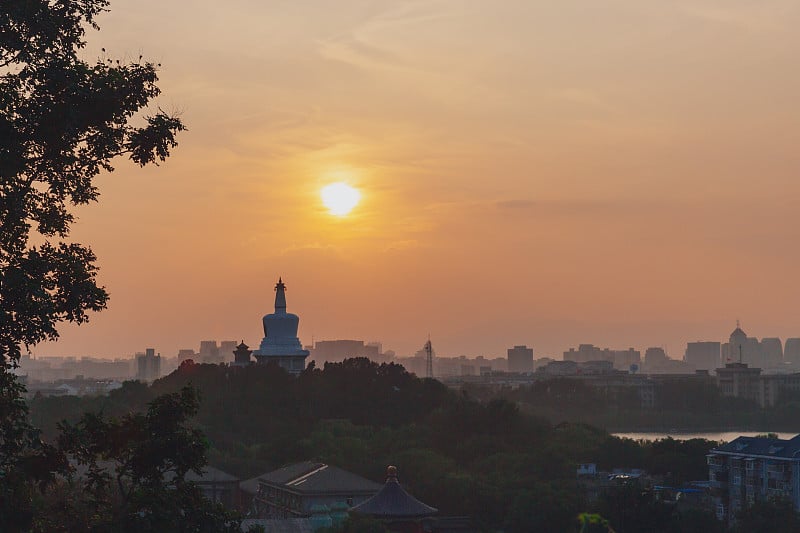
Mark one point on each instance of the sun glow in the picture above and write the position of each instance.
(340, 198)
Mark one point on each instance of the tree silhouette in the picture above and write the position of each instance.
(62, 122)
(135, 469)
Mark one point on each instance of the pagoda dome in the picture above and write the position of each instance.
(280, 342)
(281, 325)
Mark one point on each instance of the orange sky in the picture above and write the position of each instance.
(617, 172)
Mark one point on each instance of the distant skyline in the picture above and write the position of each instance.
(619, 172)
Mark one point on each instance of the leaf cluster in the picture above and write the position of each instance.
(62, 121)
(128, 474)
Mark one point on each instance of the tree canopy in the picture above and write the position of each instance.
(63, 119)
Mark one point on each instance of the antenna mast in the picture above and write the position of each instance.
(429, 358)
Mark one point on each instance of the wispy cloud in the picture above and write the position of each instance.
(752, 17)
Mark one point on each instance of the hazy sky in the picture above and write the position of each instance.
(612, 171)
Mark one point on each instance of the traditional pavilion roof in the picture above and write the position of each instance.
(392, 501)
(311, 477)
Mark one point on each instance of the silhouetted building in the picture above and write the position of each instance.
(280, 343)
(241, 356)
(791, 352)
(520, 359)
(60, 368)
(771, 352)
(585, 352)
(772, 385)
(226, 350)
(621, 359)
(627, 359)
(148, 365)
(295, 490)
(560, 368)
(209, 352)
(339, 350)
(654, 357)
(703, 355)
(739, 381)
(742, 349)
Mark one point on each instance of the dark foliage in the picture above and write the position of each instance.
(687, 405)
(485, 459)
(775, 516)
(62, 121)
(133, 472)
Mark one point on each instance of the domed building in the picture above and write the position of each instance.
(280, 343)
(738, 343)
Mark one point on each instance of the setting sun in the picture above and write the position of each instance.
(340, 198)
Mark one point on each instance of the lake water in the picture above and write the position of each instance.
(726, 436)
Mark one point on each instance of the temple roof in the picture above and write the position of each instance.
(394, 502)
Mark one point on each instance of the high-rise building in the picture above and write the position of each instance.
(752, 352)
(654, 356)
(148, 365)
(226, 350)
(621, 359)
(339, 350)
(627, 359)
(741, 349)
(771, 352)
(791, 352)
(520, 359)
(703, 355)
(209, 352)
(584, 353)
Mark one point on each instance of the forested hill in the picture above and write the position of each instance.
(484, 459)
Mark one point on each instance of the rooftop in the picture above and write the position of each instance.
(394, 502)
(779, 448)
(314, 477)
(210, 475)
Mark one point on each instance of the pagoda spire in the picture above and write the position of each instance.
(280, 297)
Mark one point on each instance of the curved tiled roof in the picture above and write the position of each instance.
(394, 502)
